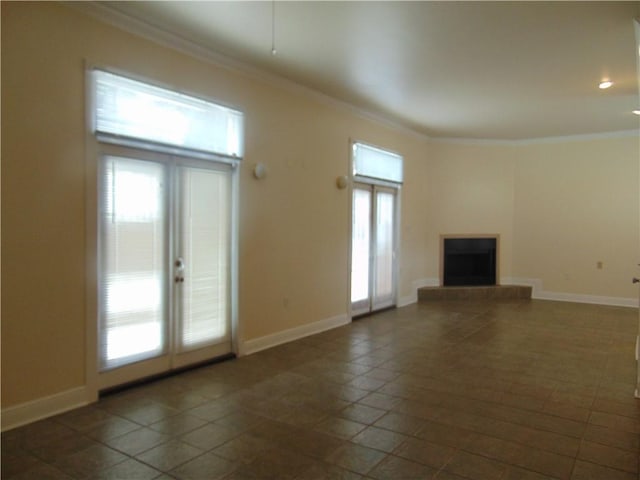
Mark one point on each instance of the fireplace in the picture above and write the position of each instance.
(469, 260)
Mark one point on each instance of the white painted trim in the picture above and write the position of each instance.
(536, 141)
(415, 285)
(156, 34)
(580, 138)
(539, 293)
(488, 142)
(44, 407)
(593, 299)
(136, 26)
(262, 343)
(407, 300)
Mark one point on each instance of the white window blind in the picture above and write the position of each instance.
(360, 245)
(132, 109)
(375, 163)
(133, 253)
(205, 240)
(383, 275)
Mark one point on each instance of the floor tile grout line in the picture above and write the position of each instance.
(342, 359)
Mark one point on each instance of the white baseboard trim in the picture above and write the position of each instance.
(408, 300)
(285, 336)
(539, 293)
(593, 299)
(415, 285)
(28, 412)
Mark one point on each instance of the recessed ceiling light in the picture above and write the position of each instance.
(605, 84)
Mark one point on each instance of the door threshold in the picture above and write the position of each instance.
(373, 312)
(160, 376)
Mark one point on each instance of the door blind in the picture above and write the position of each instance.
(205, 252)
(133, 253)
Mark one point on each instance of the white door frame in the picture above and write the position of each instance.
(374, 185)
(95, 380)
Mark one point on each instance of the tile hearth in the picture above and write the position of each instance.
(491, 292)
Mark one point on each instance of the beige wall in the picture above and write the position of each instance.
(470, 190)
(576, 204)
(294, 224)
(560, 208)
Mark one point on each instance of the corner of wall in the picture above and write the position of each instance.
(415, 285)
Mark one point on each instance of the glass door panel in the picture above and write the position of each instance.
(361, 251)
(203, 260)
(372, 248)
(133, 307)
(384, 282)
(165, 264)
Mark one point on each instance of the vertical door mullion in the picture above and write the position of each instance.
(373, 266)
(169, 252)
(174, 292)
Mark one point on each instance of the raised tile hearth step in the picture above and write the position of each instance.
(492, 292)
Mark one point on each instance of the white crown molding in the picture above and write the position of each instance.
(106, 14)
(537, 141)
(581, 138)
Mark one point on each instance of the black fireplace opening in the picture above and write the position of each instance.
(469, 261)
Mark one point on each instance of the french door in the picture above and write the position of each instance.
(373, 248)
(164, 263)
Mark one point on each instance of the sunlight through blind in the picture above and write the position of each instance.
(131, 109)
(133, 252)
(205, 239)
(360, 245)
(373, 162)
(384, 244)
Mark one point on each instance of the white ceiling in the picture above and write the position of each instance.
(483, 70)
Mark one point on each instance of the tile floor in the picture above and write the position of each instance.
(445, 390)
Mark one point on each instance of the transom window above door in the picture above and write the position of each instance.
(375, 210)
(376, 164)
(126, 108)
(167, 228)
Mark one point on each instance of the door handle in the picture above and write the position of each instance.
(179, 264)
(635, 280)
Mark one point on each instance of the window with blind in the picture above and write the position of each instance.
(166, 230)
(378, 177)
(126, 108)
(205, 245)
(375, 163)
(134, 255)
